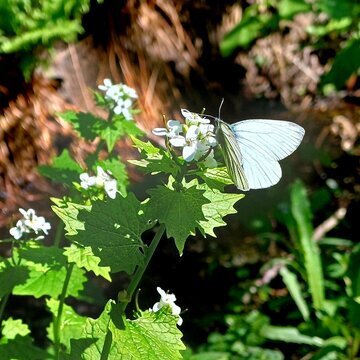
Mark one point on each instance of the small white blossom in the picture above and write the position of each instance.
(168, 299)
(196, 137)
(102, 179)
(119, 97)
(30, 222)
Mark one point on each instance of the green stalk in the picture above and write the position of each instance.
(57, 320)
(3, 303)
(59, 234)
(134, 283)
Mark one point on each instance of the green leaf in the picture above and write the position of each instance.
(346, 63)
(85, 258)
(155, 160)
(180, 209)
(290, 335)
(11, 328)
(152, 336)
(68, 212)
(300, 209)
(47, 271)
(294, 288)
(339, 9)
(220, 204)
(113, 230)
(10, 276)
(289, 8)
(72, 324)
(22, 348)
(63, 170)
(118, 171)
(252, 26)
(216, 178)
(84, 123)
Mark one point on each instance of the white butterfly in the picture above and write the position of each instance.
(252, 149)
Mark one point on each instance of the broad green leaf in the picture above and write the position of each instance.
(180, 209)
(110, 132)
(11, 328)
(346, 63)
(155, 160)
(47, 271)
(339, 9)
(289, 8)
(10, 276)
(63, 170)
(252, 26)
(71, 326)
(294, 288)
(85, 258)
(22, 348)
(113, 230)
(118, 171)
(301, 212)
(220, 204)
(216, 178)
(68, 212)
(289, 334)
(84, 123)
(152, 336)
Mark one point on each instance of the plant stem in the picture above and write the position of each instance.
(4, 301)
(59, 234)
(134, 283)
(57, 320)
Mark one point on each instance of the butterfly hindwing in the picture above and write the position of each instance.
(262, 144)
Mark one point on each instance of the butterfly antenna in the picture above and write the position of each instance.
(221, 104)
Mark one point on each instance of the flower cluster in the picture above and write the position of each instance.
(29, 223)
(167, 299)
(120, 97)
(102, 179)
(196, 137)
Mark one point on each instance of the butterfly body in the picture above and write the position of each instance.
(252, 149)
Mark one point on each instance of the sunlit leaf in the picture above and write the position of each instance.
(113, 230)
(72, 324)
(85, 258)
(11, 328)
(152, 336)
(47, 268)
(63, 170)
(179, 208)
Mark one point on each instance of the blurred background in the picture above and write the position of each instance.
(280, 59)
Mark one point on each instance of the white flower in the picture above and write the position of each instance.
(173, 129)
(87, 181)
(168, 299)
(18, 230)
(119, 97)
(194, 118)
(196, 137)
(102, 179)
(29, 223)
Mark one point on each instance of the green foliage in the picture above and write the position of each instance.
(63, 170)
(153, 335)
(113, 237)
(179, 208)
(104, 225)
(340, 19)
(323, 328)
(30, 25)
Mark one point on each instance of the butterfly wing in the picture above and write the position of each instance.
(232, 155)
(262, 144)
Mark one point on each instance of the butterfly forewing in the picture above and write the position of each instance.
(232, 155)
